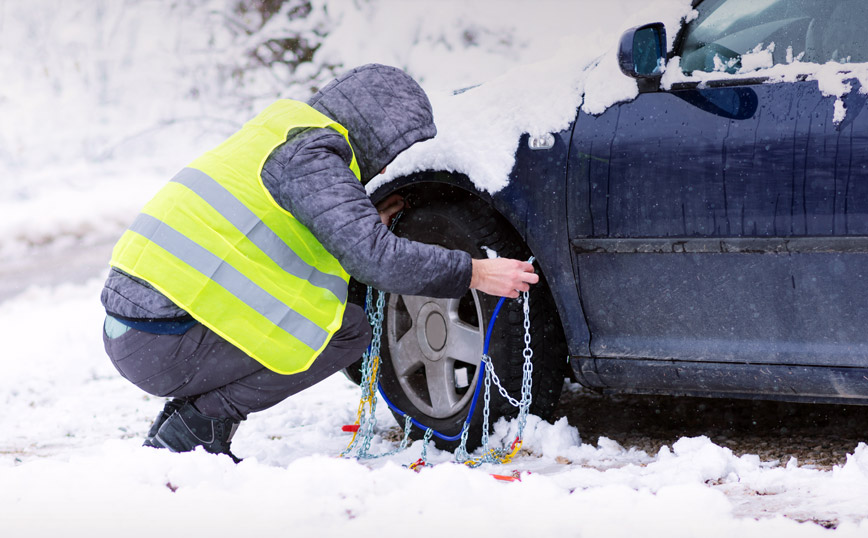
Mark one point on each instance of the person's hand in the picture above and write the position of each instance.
(389, 207)
(502, 276)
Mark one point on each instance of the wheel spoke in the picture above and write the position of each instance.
(465, 343)
(465, 340)
(414, 304)
(441, 387)
(408, 355)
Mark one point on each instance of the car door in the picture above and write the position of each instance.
(727, 221)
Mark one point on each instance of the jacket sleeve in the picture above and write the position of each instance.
(310, 178)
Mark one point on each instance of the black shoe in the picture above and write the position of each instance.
(170, 407)
(187, 428)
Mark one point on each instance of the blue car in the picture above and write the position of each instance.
(707, 238)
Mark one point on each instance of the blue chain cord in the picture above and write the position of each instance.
(366, 431)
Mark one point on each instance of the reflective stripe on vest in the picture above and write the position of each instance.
(264, 237)
(216, 243)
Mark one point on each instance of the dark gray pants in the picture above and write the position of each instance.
(225, 381)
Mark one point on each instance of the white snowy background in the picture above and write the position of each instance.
(102, 100)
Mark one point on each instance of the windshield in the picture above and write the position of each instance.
(788, 30)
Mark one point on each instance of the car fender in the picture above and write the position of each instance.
(534, 204)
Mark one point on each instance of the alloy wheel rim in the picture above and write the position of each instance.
(436, 348)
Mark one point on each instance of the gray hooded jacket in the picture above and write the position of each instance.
(385, 112)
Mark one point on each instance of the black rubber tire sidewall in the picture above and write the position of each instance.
(469, 226)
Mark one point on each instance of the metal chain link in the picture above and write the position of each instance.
(489, 455)
(408, 425)
(527, 370)
(370, 375)
(527, 367)
(370, 381)
(425, 439)
(485, 412)
(461, 455)
(364, 384)
(370, 378)
(489, 370)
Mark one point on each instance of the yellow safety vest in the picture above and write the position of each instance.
(215, 242)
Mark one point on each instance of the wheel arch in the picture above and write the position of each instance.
(426, 180)
(432, 183)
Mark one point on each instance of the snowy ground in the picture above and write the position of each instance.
(72, 176)
(71, 463)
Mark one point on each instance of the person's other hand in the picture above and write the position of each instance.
(502, 276)
(389, 207)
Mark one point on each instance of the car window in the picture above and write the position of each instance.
(804, 30)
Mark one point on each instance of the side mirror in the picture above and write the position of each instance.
(642, 53)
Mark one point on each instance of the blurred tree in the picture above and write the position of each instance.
(279, 39)
(294, 48)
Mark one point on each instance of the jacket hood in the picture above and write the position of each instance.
(384, 110)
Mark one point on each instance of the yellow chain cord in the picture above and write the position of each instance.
(375, 365)
(496, 456)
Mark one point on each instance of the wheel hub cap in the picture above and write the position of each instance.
(435, 331)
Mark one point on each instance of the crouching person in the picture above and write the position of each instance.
(228, 292)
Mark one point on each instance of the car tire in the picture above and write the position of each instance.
(431, 348)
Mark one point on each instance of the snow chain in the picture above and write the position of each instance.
(490, 455)
(366, 419)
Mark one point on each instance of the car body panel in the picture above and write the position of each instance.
(707, 240)
(720, 239)
(666, 171)
(535, 204)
